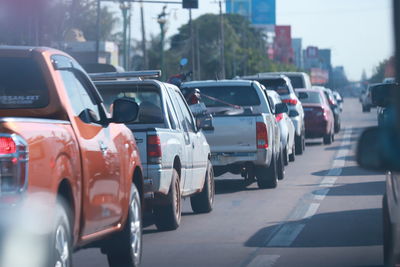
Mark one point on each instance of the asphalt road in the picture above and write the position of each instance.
(326, 212)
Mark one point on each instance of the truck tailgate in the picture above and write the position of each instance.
(141, 142)
(233, 134)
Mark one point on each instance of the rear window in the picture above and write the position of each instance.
(22, 84)
(223, 96)
(147, 97)
(278, 85)
(312, 98)
(297, 81)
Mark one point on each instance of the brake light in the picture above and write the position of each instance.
(13, 164)
(7, 146)
(262, 135)
(279, 117)
(292, 102)
(153, 149)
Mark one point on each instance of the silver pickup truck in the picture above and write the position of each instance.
(174, 152)
(246, 137)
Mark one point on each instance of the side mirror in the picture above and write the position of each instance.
(205, 122)
(281, 108)
(293, 113)
(302, 95)
(124, 110)
(377, 149)
(381, 94)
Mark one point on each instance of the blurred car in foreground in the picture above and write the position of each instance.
(318, 116)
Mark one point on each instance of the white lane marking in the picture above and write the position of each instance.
(286, 235)
(264, 261)
(328, 181)
(313, 208)
(321, 194)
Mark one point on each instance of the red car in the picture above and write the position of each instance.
(318, 116)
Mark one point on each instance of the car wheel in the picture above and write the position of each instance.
(61, 238)
(292, 156)
(124, 249)
(281, 167)
(285, 157)
(267, 176)
(298, 140)
(387, 234)
(204, 201)
(168, 217)
(328, 139)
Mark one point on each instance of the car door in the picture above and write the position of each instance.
(191, 141)
(99, 158)
(187, 146)
(199, 144)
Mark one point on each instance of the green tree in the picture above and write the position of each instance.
(245, 48)
(378, 73)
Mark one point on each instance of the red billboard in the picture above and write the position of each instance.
(283, 51)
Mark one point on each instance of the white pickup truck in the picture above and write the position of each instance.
(246, 137)
(174, 152)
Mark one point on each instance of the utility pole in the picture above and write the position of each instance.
(222, 42)
(125, 7)
(162, 20)
(192, 56)
(98, 32)
(198, 54)
(144, 50)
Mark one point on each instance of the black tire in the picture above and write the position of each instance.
(285, 156)
(298, 140)
(387, 234)
(267, 176)
(337, 127)
(61, 237)
(327, 139)
(204, 201)
(168, 217)
(124, 249)
(281, 167)
(292, 157)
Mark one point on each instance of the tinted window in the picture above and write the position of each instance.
(79, 96)
(22, 84)
(312, 98)
(297, 81)
(223, 96)
(187, 122)
(278, 85)
(148, 98)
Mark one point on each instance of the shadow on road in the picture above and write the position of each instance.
(333, 229)
(356, 189)
(347, 171)
(228, 186)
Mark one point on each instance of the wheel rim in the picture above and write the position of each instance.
(177, 201)
(62, 247)
(136, 229)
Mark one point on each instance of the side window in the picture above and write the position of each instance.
(188, 119)
(170, 116)
(79, 97)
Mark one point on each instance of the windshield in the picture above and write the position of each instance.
(278, 85)
(311, 98)
(229, 95)
(297, 81)
(22, 84)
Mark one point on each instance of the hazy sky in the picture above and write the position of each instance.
(359, 32)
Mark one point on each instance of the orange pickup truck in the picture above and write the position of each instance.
(70, 173)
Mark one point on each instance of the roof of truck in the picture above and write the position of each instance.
(218, 83)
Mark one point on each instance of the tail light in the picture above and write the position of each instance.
(320, 112)
(262, 135)
(153, 149)
(279, 117)
(13, 164)
(291, 101)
